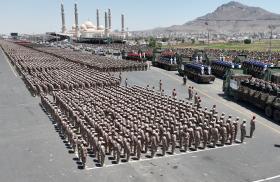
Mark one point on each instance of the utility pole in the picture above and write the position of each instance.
(208, 35)
(271, 28)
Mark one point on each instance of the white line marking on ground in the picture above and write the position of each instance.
(267, 179)
(7, 60)
(167, 156)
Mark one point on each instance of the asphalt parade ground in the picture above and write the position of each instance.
(31, 149)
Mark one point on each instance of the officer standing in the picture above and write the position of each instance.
(243, 130)
(160, 85)
(184, 80)
(174, 94)
(126, 82)
(190, 93)
(120, 76)
(252, 126)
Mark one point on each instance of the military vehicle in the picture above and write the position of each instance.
(166, 60)
(220, 68)
(272, 74)
(237, 85)
(256, 68)
(133, 56)
(140, 56)
(195, 71)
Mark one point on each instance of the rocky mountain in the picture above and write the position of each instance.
(232, 17)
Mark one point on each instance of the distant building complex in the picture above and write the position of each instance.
(91, 33)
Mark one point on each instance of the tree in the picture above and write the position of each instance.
(164, 39)
(152, 42)
(193, 40)
(247, 41)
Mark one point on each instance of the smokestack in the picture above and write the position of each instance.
(122, 22)
(97, 19)
(63, 28)
(106, 24)
(110, 19)
(76, 19)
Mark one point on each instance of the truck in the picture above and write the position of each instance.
(197, 72)
(166, 60)
(272, 74)
(256, 68)
(220, 68)
(233, 87)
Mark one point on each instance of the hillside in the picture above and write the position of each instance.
(232, 17)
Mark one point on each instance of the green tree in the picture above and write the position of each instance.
(193, 40)
(164, 39)
(247, 41)
(152, 42)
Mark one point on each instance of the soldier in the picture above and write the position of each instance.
(73, 142)
(138, 148)
(126, 82)
(79, 147)
(120, 77)
(232, 132)
(196, 138)
(229, 128)
(182, 135)
(153, 146)
(84, 155)
(148, 87)
(173, 142)
(235, 126)
(196, 98)
(147, 142)
(213, 109)
(160, 85)
(205, 137)
(127, 149)
(186, 141)
(184, 80)
(174, 94)
(191, 136)
(215, 135)
(190, 93)
(102, 155)
(162, 92)
(222, 118)
(198, 103)
(164, 145)
(252, 126)
(243, 131)
(117, 151)
(223, 134)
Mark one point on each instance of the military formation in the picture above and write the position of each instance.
(43, 73)
(126, 122)
(100, 63)
(97, 115)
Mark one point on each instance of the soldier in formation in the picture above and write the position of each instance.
(129, 121)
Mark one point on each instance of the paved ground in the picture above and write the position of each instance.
(31, 149)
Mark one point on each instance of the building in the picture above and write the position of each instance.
(88, 32)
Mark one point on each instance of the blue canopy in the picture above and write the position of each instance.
(256, 64)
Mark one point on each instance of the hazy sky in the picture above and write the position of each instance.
(39, 16)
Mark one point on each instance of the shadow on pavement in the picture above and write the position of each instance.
(250, 107)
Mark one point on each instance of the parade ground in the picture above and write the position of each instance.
(32, 150)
